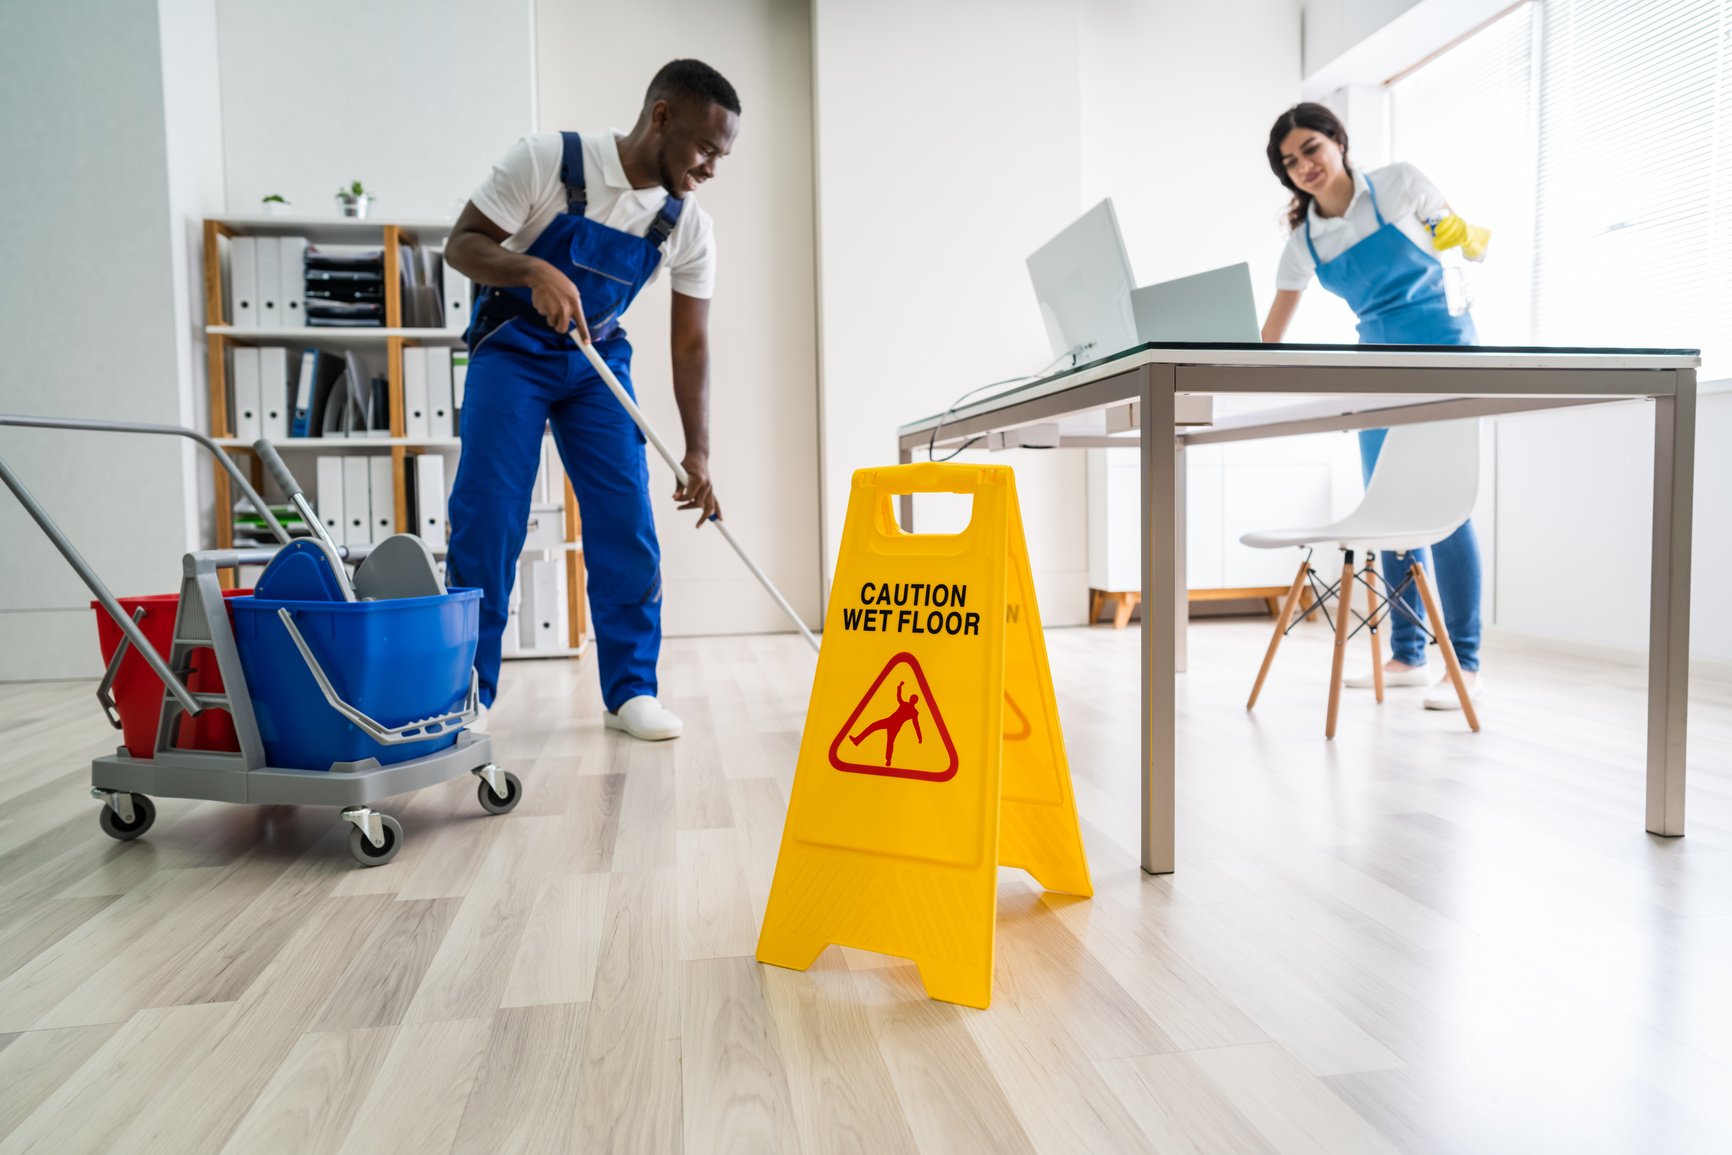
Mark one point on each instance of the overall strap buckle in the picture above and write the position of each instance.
(666, 219)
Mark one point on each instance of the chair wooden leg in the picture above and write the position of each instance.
(1097, 599)
(1371, 627)
(1127, 603)
(1288, 604)
(1443, 643)
(1343, 615)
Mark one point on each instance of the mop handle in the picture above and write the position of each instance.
(606, 374)
(602, 369)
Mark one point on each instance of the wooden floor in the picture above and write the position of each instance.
(1412, 938)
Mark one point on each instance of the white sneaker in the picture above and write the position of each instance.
(1444, 697)
(1414, 676)
(644, 717)
(479, 726)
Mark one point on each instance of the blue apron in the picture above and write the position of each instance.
(525, 376)
(1395, 288)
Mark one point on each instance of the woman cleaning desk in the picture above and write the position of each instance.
(1372, 239)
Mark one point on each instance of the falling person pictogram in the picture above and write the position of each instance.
(907, 710)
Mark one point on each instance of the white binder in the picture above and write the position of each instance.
(456, 297)
(441, 408)
(511, 642)
(244, 282)
(270, 282)
(292, 274)
(357, 504)
(540, 615)
(329, 474)
(417, 425)
(274, 392)
(382, 495)
(430, 499)
(459, 379)
(249, 400)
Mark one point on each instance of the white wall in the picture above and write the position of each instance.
(1369, 41)
(592, 69)
(1575, 499)
(95, 309)
(415, 100)
(1007, 120)
(1177, 140)
(948, 149)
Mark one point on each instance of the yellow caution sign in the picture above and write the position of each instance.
(932, 751)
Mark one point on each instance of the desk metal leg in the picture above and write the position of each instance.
(1669, 604)
(1181, 579)
(905, 503)
(1160, 492)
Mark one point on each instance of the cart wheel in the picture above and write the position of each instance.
(143, 814)
(493, 803)
(366, 853)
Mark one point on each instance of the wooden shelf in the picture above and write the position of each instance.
(311, 335)
(389, 339)
(344, 443)
(578, 652)
(330, 230)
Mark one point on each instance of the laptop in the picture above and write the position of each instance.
(1082, 279)
(1211, 307)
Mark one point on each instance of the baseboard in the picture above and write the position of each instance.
(1706, 669)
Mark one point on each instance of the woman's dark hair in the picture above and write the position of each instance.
(1318, 119)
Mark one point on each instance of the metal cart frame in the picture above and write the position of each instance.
(124, 783)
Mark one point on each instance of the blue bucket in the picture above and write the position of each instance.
(395, 660)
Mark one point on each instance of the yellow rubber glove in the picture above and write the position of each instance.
(1452, 231)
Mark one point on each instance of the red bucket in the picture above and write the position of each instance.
(138, 691)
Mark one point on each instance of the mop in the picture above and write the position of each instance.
(637, 417)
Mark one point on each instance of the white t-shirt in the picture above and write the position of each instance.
(523, 194)
(1403, 193)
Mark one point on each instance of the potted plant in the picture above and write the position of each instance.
(275, 206)
(354, 200)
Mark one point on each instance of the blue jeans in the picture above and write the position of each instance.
(1455, 572)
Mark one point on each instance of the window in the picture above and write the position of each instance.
(1468, 119)
(1635, 176)
(1594, 137)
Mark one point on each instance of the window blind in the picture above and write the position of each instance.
(1634, 222)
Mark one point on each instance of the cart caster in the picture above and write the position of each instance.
(362, 846)
(493, 777)
(125, 816)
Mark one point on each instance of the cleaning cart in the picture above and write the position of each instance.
(335, 699)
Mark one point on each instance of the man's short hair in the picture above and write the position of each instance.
(693, 82)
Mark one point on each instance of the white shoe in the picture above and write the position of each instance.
(1413, 676)
(479, 726)
(644, 717)
(1444, 697)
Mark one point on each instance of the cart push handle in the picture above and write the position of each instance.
(129, 628)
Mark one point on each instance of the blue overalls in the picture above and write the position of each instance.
(523, 375)
(1395, 288)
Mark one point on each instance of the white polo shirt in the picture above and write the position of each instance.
(1403, 193)
(523, 194)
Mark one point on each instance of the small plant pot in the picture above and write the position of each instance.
(277, 209)
(355, 206)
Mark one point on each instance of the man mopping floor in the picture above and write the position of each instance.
(567, 230)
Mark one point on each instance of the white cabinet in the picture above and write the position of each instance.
(1230, 490)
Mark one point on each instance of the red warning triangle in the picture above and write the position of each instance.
(892, 741)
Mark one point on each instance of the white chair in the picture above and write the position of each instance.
(1424, 487)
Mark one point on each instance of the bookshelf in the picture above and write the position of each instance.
(221, 336)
